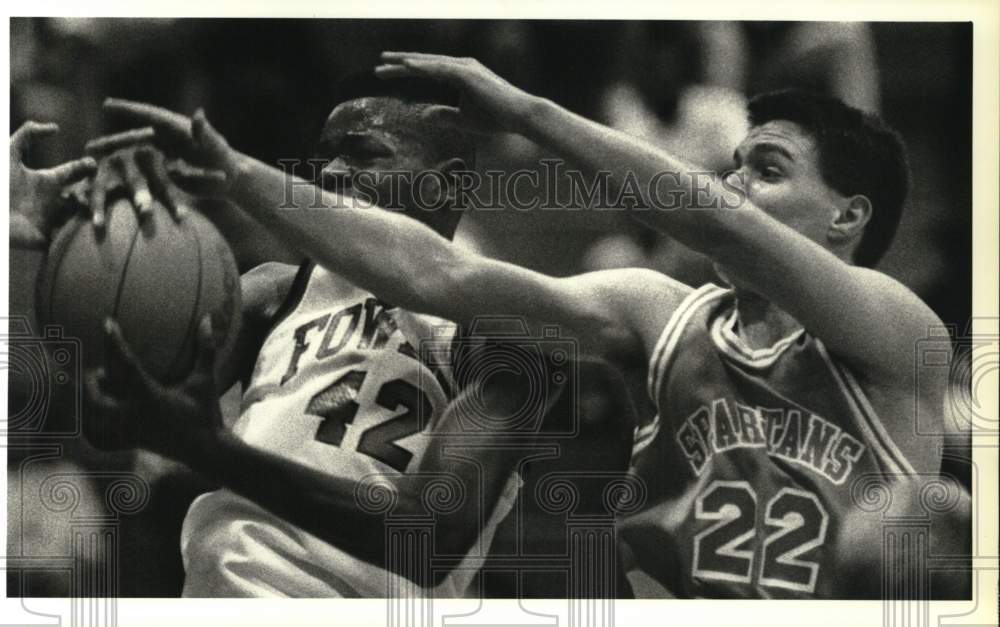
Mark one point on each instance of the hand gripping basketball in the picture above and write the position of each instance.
(202, 162)
(172, 420)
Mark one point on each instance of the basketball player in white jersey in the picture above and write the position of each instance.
(336, 391)
(797, 379)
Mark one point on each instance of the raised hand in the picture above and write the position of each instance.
(134, 409)
(489, 103)
(128, 160)
(131, 160)
(36, 195)
(201, 160)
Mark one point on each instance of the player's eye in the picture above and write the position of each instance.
(770, 172)
(366, 148)
(377, 151)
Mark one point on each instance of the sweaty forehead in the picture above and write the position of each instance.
(781, 133)
(367, 115)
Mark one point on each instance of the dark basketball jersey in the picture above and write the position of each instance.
(749, 464)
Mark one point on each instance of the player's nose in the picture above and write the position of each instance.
(335, 176)
(735, 178)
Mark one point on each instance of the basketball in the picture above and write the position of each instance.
(157, 276)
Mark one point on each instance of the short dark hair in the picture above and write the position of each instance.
(411, 89)
(858, 154)
(445, 142)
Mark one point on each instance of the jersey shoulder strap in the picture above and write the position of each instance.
(666, 346)
(294, 295)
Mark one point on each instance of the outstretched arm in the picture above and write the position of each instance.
(846, 306)
(398, 258)
(184, 422)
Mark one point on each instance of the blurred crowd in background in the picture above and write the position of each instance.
(268, 85)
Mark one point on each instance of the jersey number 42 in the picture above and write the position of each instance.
(337, 406)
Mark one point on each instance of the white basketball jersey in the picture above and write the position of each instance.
(339, 385)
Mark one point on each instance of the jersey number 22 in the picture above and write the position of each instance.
(795, 522)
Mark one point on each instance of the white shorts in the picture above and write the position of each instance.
(232, 547)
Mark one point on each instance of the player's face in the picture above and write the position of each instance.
(777, 166)
(366, 143)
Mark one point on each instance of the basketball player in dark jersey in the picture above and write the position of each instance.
(774, 394)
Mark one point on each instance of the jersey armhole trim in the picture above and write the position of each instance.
(294, 295)
(867, 419)
(643, 437)
(665, 346)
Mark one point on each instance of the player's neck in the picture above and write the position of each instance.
(760, 324)
(442, 221)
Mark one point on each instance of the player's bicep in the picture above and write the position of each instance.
(581, 307)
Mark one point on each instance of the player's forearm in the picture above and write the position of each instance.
(667, 185)
(400, 259)
(324, 505)
(255, 245)
(307, 498)
(694, 206)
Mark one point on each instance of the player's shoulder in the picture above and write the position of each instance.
(645, 297)
(890, 287)
(267, 286)
(271, 270)
(639, 285)
(899, 374)
(911, 318)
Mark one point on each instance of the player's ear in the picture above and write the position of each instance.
(452, 169)
(850, 219)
